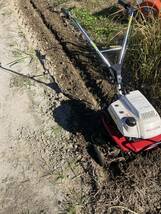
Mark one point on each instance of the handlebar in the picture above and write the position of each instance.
(66, 12)
(127, 5)
(123, 3)
(115, 70)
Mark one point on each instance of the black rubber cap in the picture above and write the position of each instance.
(130, 121)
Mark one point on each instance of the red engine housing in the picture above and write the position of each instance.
(125, 145)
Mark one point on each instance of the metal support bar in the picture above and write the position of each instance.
(111, 49)
(115, 70)
(123, 51)
(105, 60)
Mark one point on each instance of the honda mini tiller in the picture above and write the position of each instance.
(134, 124)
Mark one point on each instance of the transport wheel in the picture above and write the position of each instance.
(96, 154)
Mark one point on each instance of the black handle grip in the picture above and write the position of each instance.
(128, 7)
(124, 3)
(66, 12)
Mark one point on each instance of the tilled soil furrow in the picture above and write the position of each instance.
(40, 37)
(56, 60)
(135, 184)
(76, 51)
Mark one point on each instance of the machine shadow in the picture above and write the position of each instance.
(72, 115)
(114, 13)
(80, 118)
(76, 117)
(53, 85)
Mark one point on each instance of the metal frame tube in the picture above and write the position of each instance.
(105, 60)
(124, 46)
(112, 68)
(111, 50)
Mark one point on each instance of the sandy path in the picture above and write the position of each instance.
(24, 188)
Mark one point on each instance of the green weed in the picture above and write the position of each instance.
(144, 57)
(20, 81)
(23, 57)
(56, 131)
(101, 28)
(71, 209)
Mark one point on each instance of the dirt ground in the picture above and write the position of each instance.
(51, 94)
(35, 152)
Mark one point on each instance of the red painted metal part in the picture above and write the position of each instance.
(155, 4)
(126, 145)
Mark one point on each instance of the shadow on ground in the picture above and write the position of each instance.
(82, 118)
(72, 115)
(76, 117)
(114, 12)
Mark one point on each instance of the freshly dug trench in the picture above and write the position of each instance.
(138, 187)
(76, 50)
(56, 60)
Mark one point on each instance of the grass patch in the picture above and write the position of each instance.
(71, 209)
(57, 131)
(23, 57)
(103, 31)
(144, 54)
(143, 58)
(20, 82)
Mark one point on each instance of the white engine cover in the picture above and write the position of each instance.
(134, 104)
